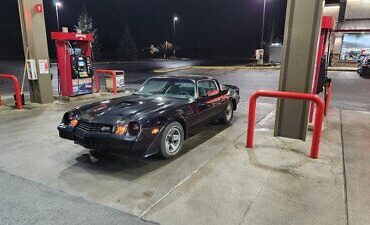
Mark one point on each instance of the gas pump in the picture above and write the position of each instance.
(74, 63)
(322, 82)
(323, 55)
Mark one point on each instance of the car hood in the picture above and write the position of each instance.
(133, 107)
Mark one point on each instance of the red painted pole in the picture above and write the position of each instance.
(251, 119)
(114, 80)
(289, 95)
(315, 146)
(320, 53)
(328, 97)
(16, 88)
(1, 103)
(96, 82)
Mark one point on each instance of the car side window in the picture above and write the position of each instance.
(207, 88)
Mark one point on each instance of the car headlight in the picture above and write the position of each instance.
(120, 128)
(134, 128)
(125, 128)
(72, 119)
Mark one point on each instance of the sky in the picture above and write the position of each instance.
(206, 28)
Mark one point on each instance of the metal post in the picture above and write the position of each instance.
(263, 23)
(57, 13)
(17, 90)
(288, 95)
(174, 36)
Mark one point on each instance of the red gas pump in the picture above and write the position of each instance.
(321, 81)
(74, 63)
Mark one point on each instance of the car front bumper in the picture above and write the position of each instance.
(106, 141)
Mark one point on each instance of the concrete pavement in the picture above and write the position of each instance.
(356, 140)
(215, 181)
(276, 183)
(26, 202)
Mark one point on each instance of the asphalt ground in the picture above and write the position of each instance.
(350, 90)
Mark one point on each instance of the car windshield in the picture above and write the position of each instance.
(169, 87)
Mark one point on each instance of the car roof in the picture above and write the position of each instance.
(186, 77)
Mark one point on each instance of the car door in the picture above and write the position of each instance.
(209, 97)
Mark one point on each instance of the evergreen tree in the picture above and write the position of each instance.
(127, 50)
(86, 25)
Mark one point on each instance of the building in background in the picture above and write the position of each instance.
(275, 51)
(351, 41)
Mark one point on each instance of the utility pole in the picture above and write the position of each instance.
(175, 19)
(57, 6)
(263, 23)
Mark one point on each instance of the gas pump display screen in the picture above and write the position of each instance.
(81, 63)
(77, 51)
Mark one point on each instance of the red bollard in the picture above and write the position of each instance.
(328, 97)
(16, 88)
(288, 95)
(113, 74)
(96, 82)
(1, 103)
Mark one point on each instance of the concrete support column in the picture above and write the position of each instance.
(34, 38)
(302, 29)
(342, 10)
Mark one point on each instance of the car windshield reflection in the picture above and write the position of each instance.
(168, 87)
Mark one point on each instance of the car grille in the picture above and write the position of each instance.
(94, 127)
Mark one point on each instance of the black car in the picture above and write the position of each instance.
(155, 119)
(364, 68)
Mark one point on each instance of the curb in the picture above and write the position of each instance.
(237, 67)
(348, 69)
(164, 70)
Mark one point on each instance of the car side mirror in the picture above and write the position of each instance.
(224, 92)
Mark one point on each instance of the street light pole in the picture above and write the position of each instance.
(175, 19)
(57, 5)
(263, 23)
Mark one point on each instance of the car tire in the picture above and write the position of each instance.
(172, 140)
(228, 114)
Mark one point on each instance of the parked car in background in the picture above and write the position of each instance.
(155, 119)
(364, 68)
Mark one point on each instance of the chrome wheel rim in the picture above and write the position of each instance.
(229, 112)
(173, 140)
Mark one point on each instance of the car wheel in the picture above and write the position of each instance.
(228, 114)
(172, 140)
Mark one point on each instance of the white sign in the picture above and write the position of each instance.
(259, 53)
(44, 66)
(31, 69)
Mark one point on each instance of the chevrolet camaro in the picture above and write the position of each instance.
(155, 119)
